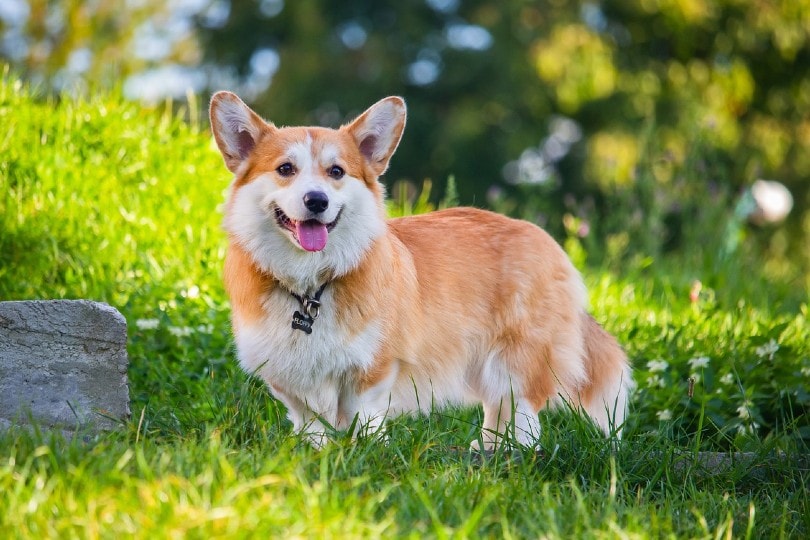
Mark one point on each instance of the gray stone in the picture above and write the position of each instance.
(63, 365)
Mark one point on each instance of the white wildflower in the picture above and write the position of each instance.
(147, 324)
(192, 292)
(806, 371)
(657, 365)
(745, 430)
(699, 362)
(728, 378)
(654, 381)
(769, 349)
(744, 410)
(664, 415)
(180, 331)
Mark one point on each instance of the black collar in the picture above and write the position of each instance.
(311, 306)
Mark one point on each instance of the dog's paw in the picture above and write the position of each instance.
(316, 440)
(488, 446)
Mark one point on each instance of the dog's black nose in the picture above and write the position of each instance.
(316, 201)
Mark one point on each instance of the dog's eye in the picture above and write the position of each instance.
(336, 172)
(286, 169)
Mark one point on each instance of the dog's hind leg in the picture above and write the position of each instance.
(526, 424)
(508, 415)
(510, 420)
(606, 392)
(492, 427)
(531, 367)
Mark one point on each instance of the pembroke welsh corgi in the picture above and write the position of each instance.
(352, 317)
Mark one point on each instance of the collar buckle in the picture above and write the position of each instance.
(312, 306)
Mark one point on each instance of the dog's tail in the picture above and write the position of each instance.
(604, 395)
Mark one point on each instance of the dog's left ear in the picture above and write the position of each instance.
(378, 130)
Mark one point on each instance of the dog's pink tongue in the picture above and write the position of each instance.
(311, 234)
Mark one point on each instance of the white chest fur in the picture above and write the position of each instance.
(298, 362)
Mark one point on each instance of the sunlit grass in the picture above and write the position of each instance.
(103, 200)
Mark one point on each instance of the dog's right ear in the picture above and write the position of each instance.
(236, 128)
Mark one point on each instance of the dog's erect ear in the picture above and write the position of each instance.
(236, 128)
(378, 130)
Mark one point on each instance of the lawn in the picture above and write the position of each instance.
(103, 199)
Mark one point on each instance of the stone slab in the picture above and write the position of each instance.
(63, 365)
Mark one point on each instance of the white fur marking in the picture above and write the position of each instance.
(330, 155)
(252, 222)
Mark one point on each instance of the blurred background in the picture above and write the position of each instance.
(633, 128)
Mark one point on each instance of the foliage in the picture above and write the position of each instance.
(89, 189)
(585, 101)
(105, 200)
(75, 46)
(579, 102)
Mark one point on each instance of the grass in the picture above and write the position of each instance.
(102, 199)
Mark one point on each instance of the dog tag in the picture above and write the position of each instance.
(302, 322)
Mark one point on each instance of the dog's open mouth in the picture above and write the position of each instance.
(311, 234)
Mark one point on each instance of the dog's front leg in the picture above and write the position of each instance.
(362, 416)
(367, 406)
(313, 414)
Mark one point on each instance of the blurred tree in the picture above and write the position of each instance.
(78, 45)
(463, 68)
(576, 97)
(637, 115)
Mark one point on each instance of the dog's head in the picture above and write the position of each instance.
(305, 199)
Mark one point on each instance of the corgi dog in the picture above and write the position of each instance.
(352, 317)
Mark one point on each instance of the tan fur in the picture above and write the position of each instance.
(245, 285)
(473, 294)
(462, 298)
